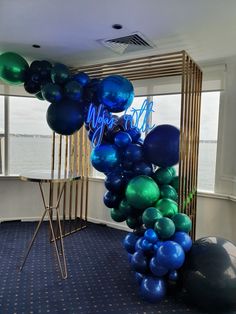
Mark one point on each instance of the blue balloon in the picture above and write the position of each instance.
(142, 168)
(111, 200)
(157, 269)
(130, 241)
(73, 90)
(115, 182)
(116, 93)
(151, 236)
(146, 245)
(65, 117)
(153, 289)
(129, 257)
(138, 246)
(135, 133)
(90, 94)
(183, 239)
(51, 92)
(122, 139)
(173, 275)
(125, 122)
(105, 157)
(133, 152)
(157, 245)
(60, 73)
(161, 146)
(82, 78)
(170, 255)
(139, 262)
(139, 277)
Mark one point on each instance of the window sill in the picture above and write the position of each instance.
(9, 177)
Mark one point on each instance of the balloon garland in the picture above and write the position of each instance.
(142, 186)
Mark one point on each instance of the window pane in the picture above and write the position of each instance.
(30, 136)
(1, 134)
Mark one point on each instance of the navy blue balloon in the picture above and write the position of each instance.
(157, 245)
(161, 146)
(138, 244)
(116, 93)
(115, 182)
(139, 262)
(153, 289)
(105, 157)
(129, 257)
(135, 133)
(139, 277)
(173, 275)
(151, 236)
(130, 241)
(60, 73)
(122, 139)
(90, 94)
(126, 122)
(133, 152)
(146, 245)
(65, 117)
(157, 269)
(127, 164)
(82, 78)
(183, 239)
(52, 92)
(111, 200)
(73, 90)
(31, 87)
(142, 168)
(140, 141)
(170, 255)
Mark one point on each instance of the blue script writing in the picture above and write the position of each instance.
(100, 119)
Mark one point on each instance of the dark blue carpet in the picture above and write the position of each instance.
(99, 277)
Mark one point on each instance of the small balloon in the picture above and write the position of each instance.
(183, 239)
(115, 182)
(134, 222)
(151, 236)
(60, 73)
(129, 242)
(125, 208)
(142, 168)
(167, 191)
(182, 222)
(150, 216)
(173, 275)
(73, 90)
(82, 78)
(31, 87)
(111, 200)
(165, 228)
(117, 216)
(135, 133)
(122, 139)
(170, 255)
(163, 175)
(146, 245)
(52, 92)
(157, 269)
(133, 152)
(139, 262)
(167, 207)
(153, 289)
(105, 157)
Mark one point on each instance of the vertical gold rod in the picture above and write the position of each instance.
(82, 176)
(71, 166)
(65, 190)
(51, 185)
(87, 178)
(77, 171)
(59, 173)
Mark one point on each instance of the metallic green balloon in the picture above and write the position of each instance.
(175, 183)
(150, 216)
(134, 222)
(13, 68)
(125, 208)
(167, 191)
(182, 222)
(163, 175)
(117, 216)
(167, 207)
(164, 227)
(142, 192)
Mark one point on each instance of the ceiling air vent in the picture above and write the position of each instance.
(131, 43)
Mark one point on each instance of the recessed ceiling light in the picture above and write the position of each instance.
(36, 46)
(117, 26)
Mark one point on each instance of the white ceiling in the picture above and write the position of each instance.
(68, 30)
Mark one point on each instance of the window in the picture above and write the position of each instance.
(1, 134)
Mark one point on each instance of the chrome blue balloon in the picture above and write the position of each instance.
(142, 168)
(105, 157)
(133, 152)
(139, 262)
(116, 93)
(82, 78)
(170, 255)
(151, 236)
(115, 182)
(146, 245)
(135, 133)
(65, 117)
(173, 275)
(157, 269)
(139, 277)
(122, 139)
(153, 289)
(130, 241)
(60, 73)
(111, 200)
(161, 146)
(51, 92)
(183, 239)
(73, 90)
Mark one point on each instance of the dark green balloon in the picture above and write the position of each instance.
(163, 175)
(142, 192)
(125, 208)
(172, 170)
(13, 68)
(167, 191)
(175, 183)
(165, 228)
(167, 207)
(117, 215)
(134, 222)
(182, 222)
(150, 216)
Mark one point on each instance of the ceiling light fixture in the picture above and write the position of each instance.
(117, 26)
(36, 46)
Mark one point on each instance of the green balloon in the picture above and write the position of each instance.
(13, 68)
(142, 192)
(125, 208)
(117, 215)
(175, 183)
(167, 191)
(182, 222)
(163, 175)
(164, 227)
(167, 207)
(134, 222)
(172, 170)
(150, 216)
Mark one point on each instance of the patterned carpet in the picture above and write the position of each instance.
(99, 277)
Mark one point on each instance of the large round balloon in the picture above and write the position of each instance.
(116, 93)
(209, 274)
(65, 117)
(105, 157)
(13, 68)
(153, 289)
(170, 255)
(142, 192)
(161, 146)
